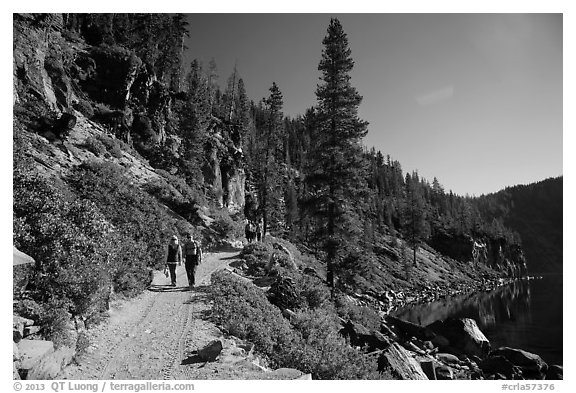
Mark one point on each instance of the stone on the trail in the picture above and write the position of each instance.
(32, 351)
(555, 372)
(211, 351)
(429, 369)
(528, 362)
(305, 377)
(401, 364)
(50, 366)
(464, 335)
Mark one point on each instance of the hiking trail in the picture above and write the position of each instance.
(151, 336)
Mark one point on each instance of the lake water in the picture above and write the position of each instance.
(526, 314)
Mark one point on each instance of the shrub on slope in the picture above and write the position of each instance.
(309, 343)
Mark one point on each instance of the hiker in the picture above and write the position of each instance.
(174, 257)
(247, 231)
(192, 258)
(259, 231)
(250, 231)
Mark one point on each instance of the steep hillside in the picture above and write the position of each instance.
(535, 211)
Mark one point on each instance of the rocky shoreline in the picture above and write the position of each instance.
(444, 349)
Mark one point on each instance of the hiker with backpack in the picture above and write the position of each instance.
(192, 258)
(174, 257)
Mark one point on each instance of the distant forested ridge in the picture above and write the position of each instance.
(535, 211)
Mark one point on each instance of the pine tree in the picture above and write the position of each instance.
(195, 119)
(270, 184)
(416, 228)
(335, 164)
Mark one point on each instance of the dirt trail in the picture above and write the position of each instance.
(148, 337)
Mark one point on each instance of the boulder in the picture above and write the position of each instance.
(464, 335)
(530, 364)
(20, 258)
(28, 330)
(555, 372)
(48, 367)
(360, 336)
(33, 351)
(409, 329)
(18, 325)
(400, 363)
(211, 351)
(495, 365)
(444, 372)
(429, 369)
(447, 358)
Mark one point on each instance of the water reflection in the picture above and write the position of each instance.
(524, 314)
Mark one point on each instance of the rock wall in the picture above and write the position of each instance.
(38, 50)
(495, 253)
(223, 168)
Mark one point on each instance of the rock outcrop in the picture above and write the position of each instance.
(495, 253)
(464, 336)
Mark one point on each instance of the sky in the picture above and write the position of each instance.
(472, 99)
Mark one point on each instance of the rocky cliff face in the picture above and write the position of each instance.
(495, 253)
(110, 90)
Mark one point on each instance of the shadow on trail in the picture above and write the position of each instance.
(225, 248)
(232, 257)
(193, 359)
(168, 288)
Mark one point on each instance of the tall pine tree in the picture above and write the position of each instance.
(336, 170)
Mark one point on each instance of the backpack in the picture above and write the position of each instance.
(196, 248)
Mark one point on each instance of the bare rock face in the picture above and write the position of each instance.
(36, 38)
(222, 170)
(402, 365)
(235, 190)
